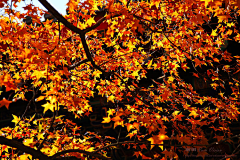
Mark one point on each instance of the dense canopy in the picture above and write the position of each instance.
(166, 73)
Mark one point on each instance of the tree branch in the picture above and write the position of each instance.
(76, 30)
(60, 17)
(78, 151)
(20, 146)
(77, 64)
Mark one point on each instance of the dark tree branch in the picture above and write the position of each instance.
(76, 30)
(60, 17)
(77, 64)
(20, 146)
(78, 151)
(41, 156)
(65, 22)
(89, 56)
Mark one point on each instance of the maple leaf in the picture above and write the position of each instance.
(15, 119)
(28, 142)
(5, 103)
(222, 18)
(179, 116)
(206, 2)
(197, 62)
(49, 106)
(184, 66)
(142, 146)
(133, 133)
(111, 98)
(175, 113)
(137, 153)
(90, 21)
(129, 126)
(202, 154)
(106, 120)
(39, 74)
(169, 154)
(219, 138)
(196, 75)
(135, 73)
(193, 113)
(136, 125)
(170, 79)
(165, 95)
(25, 157)
(111, 111)
(158, 140)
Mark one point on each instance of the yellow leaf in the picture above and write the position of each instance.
(48, 106)
(106, 120)
(90, 21)
(97, 73)
(193, 113)
(170, 79)
(214, 33)
(52, 99)
(54, 150)
(111, 111)
(111, 98)
(15, 119)
(28, 142)
(135, 73)
(175, 113)
(25, 157)
(39, 74)
(149, 64)
(91, 149)
(206, 2)
(124, 2)
(45, 150)
(40, 136)
(200, 101)
(165, 118)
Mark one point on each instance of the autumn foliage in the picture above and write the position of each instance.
(141, 67)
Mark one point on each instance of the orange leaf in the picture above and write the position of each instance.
(117, 118)
(202, 154)
(129, 126)
(179, 117)
(5, 103)
(158, 140)
(197, 62)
